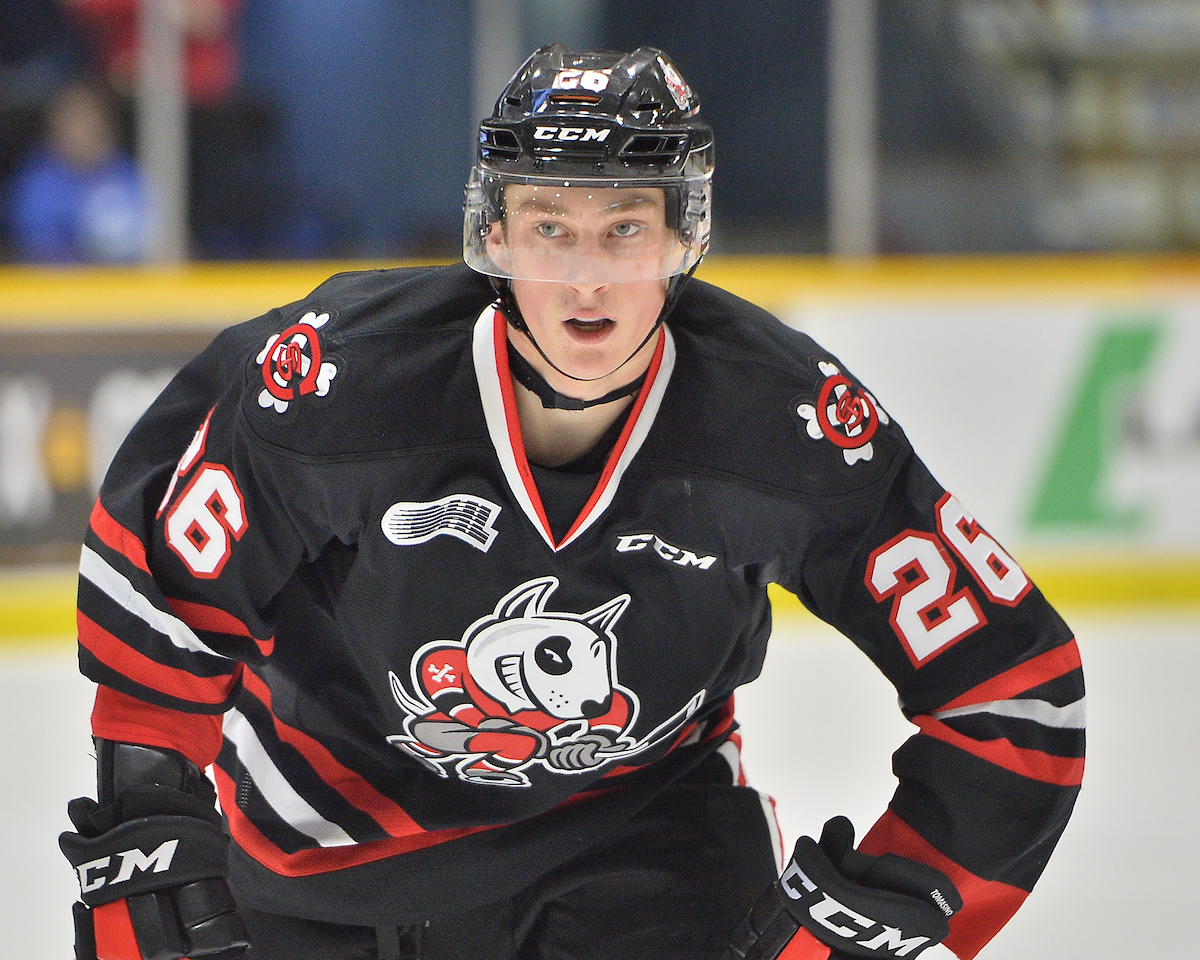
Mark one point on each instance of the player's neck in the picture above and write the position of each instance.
(554, 437)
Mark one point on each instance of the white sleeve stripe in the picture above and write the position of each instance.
(117, 587)
(292, 808)
(1069, 717)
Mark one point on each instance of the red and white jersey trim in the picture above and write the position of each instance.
(1069, 717)
(118, 588)
(275, 788)
(500, 410)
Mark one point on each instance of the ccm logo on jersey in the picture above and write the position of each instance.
(159, 862)
(581, 134)
(648, 541)
(835, 916)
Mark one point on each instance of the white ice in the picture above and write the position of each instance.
(819, 728)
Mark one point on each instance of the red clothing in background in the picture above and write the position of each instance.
(212, 51)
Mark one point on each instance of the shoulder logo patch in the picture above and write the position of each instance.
(460, 515)
(292, 365)
(844, 414)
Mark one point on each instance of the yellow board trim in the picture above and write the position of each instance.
(38, 607)
(214, 295)
(1111, 583)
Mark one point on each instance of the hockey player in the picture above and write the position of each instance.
(451, 575)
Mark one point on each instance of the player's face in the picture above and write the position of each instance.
(601, 251)
(584, 234)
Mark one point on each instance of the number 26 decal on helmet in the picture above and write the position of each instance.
(590, 121)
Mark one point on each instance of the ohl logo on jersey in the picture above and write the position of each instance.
(844, 414)
(524, 687)
(292, 366)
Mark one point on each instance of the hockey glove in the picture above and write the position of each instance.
(854, 904)
(151, 869)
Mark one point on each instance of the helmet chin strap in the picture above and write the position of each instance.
(526, 374)
(551, 398)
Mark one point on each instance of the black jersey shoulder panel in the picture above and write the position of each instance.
(395, 360)
(744, 401)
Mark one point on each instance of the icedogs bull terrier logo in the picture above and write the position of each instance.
(524, 686)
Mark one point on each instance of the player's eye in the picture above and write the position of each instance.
(550, 229)
(626, 229)
(551, 656)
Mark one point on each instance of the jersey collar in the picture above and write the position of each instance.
(490, 350)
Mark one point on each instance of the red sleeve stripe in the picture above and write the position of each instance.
(987, 904)
(1034, 672)
(200, 616)
(305, 863)
(119, 656)
(117, 587)
(276, 789)
(356, 791)
(1034, 764)
(115, 536)
(117, 716)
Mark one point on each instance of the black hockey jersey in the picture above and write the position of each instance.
(322, 563)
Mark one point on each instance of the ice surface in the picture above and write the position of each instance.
(819, 727)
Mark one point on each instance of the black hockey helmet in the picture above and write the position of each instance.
(594, 120)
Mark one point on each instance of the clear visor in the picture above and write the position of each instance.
(584, 231)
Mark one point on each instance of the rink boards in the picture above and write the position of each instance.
(1058, 398)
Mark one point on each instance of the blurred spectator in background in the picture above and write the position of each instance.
(211, 47)
(233, 205)
(39, 52)
(78, 196)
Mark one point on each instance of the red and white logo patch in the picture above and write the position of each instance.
(526, 688)
(681, 93)
(292, 366)
(844, 414)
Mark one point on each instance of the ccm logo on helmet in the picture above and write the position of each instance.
(580, 134)
(835, 917)
(159, 862)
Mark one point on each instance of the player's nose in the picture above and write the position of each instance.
(587, 291)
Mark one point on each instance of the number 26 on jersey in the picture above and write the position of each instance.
(917, 572)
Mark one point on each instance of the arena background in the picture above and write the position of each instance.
(1026, 305)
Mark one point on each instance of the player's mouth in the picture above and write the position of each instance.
(589, 330)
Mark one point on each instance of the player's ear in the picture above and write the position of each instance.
(497, 246)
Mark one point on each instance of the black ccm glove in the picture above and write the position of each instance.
(151, 866)
(856, 904)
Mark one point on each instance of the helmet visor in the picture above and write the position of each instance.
(584, 231)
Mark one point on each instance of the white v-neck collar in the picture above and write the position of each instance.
(490, 350)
